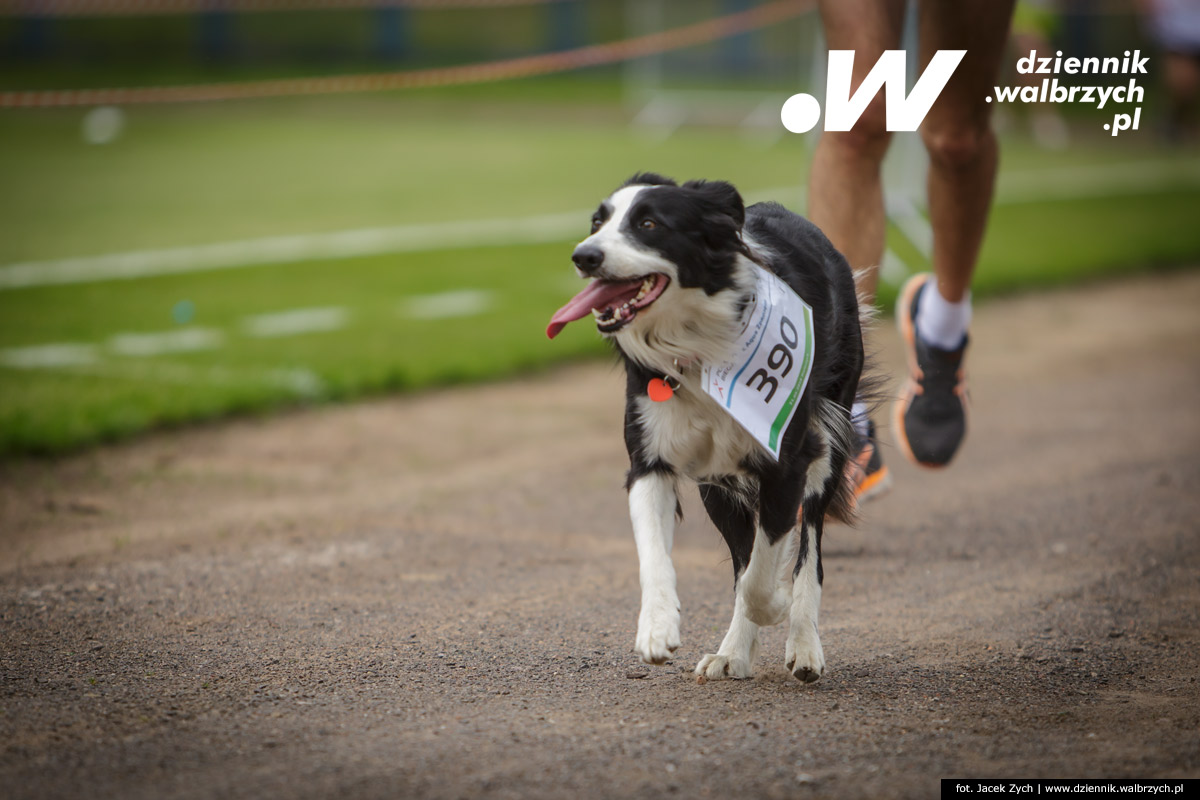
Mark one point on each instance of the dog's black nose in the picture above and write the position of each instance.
(588, 258)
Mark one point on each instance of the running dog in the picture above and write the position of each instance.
(672, 271)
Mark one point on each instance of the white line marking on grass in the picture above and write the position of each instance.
(291, 249)
(296, 321)
(48, 356)
(1014, 187)
(184, 340)
(300, 381)
(447, 305)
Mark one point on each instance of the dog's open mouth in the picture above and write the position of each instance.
(614, 304)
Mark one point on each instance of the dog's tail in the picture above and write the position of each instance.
(835, 420)
(872, 382)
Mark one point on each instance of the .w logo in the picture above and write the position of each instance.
(802, 111)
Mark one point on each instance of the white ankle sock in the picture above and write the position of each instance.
(860, 419)
(939, 322)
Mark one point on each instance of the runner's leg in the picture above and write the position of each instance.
(845, 197)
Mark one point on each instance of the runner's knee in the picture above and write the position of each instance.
(957, 146)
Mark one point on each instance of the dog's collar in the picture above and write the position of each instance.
(663, 389)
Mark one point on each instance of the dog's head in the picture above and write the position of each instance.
(661, 259)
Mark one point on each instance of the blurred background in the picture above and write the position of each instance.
(253, 239)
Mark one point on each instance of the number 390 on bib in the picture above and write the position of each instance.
(760, 386)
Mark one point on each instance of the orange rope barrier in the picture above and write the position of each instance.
(148, 8)
(112, 8)
(527, 66)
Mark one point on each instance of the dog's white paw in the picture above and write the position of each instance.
(805, 658)
(658, 632)
(716, 667)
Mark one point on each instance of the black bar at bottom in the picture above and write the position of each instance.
(1066, 788)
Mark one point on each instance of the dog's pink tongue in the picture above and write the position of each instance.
(597, 294)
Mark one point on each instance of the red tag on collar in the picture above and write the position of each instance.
(659, 390)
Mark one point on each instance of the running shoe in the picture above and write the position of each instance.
(866, 471)
(931, 412)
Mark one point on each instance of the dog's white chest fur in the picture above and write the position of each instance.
(694, 435)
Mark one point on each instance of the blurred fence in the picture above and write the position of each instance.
(648, 44)
(90, 43)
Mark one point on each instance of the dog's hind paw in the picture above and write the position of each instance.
(806, 660)
(716, 667)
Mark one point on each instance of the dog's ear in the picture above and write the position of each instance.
(648, 179)
(719, 198)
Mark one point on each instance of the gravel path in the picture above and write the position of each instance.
(436, 596)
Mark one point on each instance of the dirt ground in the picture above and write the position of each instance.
(436, 596)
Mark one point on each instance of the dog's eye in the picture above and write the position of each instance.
(648, 224)
(596, 223)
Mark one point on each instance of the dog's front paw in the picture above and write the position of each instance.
(716, 667)
(658, 632)
(805, 658)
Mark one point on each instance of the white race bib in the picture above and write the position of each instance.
(762, 384)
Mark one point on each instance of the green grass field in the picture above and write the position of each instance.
(200, 175)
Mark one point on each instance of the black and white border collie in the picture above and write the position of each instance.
(671, 272)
